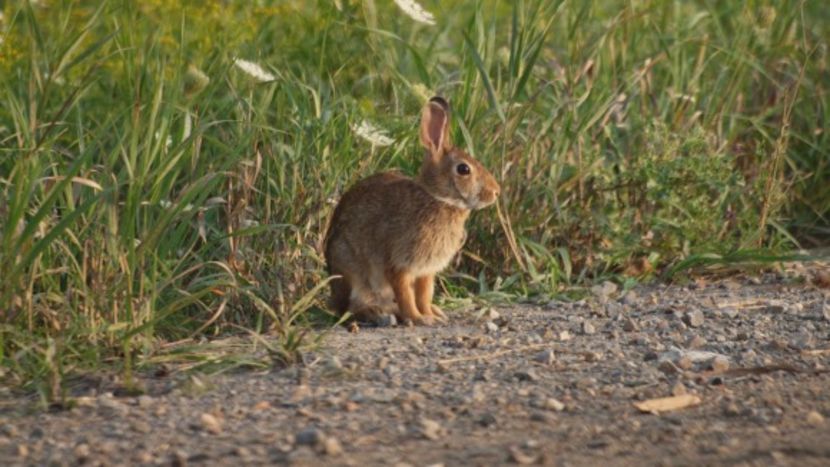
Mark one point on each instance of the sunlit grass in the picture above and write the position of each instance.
(167, 169)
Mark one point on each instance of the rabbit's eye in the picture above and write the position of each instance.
(462, 169)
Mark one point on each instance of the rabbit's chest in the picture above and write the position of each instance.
(435, 249)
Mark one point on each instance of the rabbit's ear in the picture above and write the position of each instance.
(435, 126)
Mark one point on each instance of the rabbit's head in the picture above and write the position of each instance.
(448, 173)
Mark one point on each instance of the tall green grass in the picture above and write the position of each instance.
(151, 191)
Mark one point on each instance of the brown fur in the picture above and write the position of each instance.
(391, 234)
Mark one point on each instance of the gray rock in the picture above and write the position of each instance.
(546, 357)
(487, 420)
(825, 310)
(309, 437)
(693, 318)
(386, 320)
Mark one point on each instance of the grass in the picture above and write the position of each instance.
(152, 192)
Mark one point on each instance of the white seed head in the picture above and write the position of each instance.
(415, 11)
(254, 70)
(372, 134)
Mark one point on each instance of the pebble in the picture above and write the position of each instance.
(554, 404)
(487, 420)
(630, 298)
(588, 328)
(564, 336)
(309, 437)
(696, 342)
(719, 364)
(332, 446)
(825, 310)
(815, 419)
(693, 318)
(431, 429)
(210, 423)
(526, 375)
(629, 325)
(545, 357)
(8, 430)
(604, 290)
(668, 368)
(389, 320)
(491, 326)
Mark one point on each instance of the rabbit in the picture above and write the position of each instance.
(390, 234)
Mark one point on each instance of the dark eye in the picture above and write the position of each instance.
(462, 169)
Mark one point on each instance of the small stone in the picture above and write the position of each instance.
(604, 290)
(731, 410)
(678, 389)
(815, 419)
(540, 417)
(554, 404)
(82, 452)
(545, 357)
(588, 328)
(564, 336)
(629, 325)
(684, 362)
(825, 311)
(210, 423)
(491, 326)
(591, 357)
(386, 320)
(730, 312)
(333, 365)
(719, 364)
(774, 307)
(668, 368)
(145, 401)
(696, 342)
(431, 429)
(487, 420)
(36, 433)
(693, 318)
(332, 446)
(22, 450)
(8, 430)
(630, 298)
(309, 437)
(526, 375)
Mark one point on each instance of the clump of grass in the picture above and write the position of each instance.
(167, 169)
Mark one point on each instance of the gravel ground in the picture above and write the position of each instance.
(554, 385)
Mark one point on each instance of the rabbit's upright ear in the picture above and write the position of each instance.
(435, 126)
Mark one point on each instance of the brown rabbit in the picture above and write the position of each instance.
(390, 234)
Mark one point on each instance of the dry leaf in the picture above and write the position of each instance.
(666, 404)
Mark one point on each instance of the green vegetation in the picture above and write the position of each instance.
(152, 191)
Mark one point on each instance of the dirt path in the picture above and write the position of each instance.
(553, 385)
